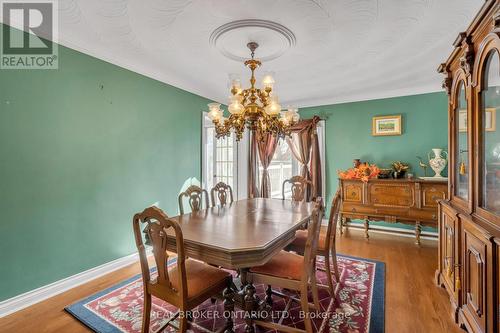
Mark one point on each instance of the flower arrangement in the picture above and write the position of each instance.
(400, 169)
(400, 166)
(363, 171)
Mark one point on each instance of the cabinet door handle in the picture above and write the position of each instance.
(448, 263)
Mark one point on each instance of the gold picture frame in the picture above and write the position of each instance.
(387, 125)
(491, 120)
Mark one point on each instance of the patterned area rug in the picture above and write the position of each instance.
(358, 305)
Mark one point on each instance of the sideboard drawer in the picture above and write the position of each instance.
(374, 211)
(353, 192)
(391, 195)
(389, 211)
(424, 215)
(353, 208)
(432, 193)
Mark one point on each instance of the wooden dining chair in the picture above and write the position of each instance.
(196, 195)
(186, 283)
(293, 272)
(224, 194)
(326, 243)
(298, 187)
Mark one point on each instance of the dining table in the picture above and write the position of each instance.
(241, 235)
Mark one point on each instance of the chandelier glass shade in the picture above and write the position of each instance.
(253, 108)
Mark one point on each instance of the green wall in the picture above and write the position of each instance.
(83, 148)
(86, 146)
(349, 132)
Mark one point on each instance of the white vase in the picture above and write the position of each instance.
(438, 163)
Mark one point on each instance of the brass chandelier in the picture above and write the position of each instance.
(257, 109)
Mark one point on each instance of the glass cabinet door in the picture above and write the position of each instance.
(461, 167)
(490, 136)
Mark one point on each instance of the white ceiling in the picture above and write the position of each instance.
(345, 50)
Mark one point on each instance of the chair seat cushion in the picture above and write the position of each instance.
(284, 265)
(200, 277)
(301, 239)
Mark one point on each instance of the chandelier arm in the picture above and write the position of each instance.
(251, 113)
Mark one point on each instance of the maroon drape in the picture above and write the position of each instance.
(253, 192)
(304, 145)
(267, 144)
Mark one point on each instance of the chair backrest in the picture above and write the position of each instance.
(158, 225)
(298, 187)
(331, 230)
(222, 190)
(195, 195)
(311, 247)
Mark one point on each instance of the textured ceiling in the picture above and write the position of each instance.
(345, 50)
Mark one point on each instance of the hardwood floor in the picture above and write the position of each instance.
(413, 302)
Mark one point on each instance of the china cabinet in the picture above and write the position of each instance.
(469, 219)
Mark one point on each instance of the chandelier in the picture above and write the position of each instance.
(257, 109)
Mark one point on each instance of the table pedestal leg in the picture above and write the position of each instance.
(250, 307)
(269, 296)
(229, 309)
(249, 301)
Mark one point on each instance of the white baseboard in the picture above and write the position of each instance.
(390, 230)
(22, 301)
(428, 235)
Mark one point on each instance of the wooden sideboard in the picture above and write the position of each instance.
(410, 201)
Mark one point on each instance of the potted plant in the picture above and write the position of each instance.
(399, 169)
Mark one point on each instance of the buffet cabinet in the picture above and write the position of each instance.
(410, 201)
(469, 218)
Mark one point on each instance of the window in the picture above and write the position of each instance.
(219, 159)
(282, 167)
(224, 161)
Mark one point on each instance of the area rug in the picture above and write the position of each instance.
(358, 305)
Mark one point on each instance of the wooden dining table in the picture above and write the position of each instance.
(241, 235)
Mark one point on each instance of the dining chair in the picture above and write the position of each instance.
(184, 284)
(298, 187)
(326, 243)
(196, 195)
(291, 271)
(223, 191)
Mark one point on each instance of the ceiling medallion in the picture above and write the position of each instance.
(274, 39)
(257, 109)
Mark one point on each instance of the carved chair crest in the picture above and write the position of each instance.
(195, 195)
(157, 225)
(223, 191)
(298, 187)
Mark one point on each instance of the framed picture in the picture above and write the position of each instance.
(489, 118)
(386, 125)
